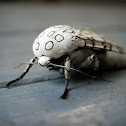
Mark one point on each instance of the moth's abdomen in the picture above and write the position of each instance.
(96, 44)
(105, 45)
(88, 38)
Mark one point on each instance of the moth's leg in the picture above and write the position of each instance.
(23, 74)
(67, 76)
(91, 60)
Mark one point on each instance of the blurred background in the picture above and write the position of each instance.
(64, 1)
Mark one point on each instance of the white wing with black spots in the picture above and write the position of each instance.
(57, 40)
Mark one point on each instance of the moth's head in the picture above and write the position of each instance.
(44, 61)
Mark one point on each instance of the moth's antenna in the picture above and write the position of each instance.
(69, 68)
(25, 63)
(90, 76)
(24, 73)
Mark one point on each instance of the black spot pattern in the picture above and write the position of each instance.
(107, 46)
(110, 47)
(49, 45)
(120, 49)
(75, 38)
(59, 38)
(104, 46)
(93, 44)
(50, 33)
(37, 45)
(69, 31)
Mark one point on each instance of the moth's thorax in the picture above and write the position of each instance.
(54, 42)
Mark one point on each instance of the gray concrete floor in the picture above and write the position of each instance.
(35, 99)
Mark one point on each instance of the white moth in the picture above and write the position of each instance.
(66, 48)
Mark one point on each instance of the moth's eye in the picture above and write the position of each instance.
(37, 45)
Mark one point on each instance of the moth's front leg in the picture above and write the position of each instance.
(67, 76)
(24, 73)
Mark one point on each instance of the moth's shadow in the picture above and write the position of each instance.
(106, 76)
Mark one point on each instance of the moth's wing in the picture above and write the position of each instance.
(97, 41)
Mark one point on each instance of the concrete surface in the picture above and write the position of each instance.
(35, 99)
